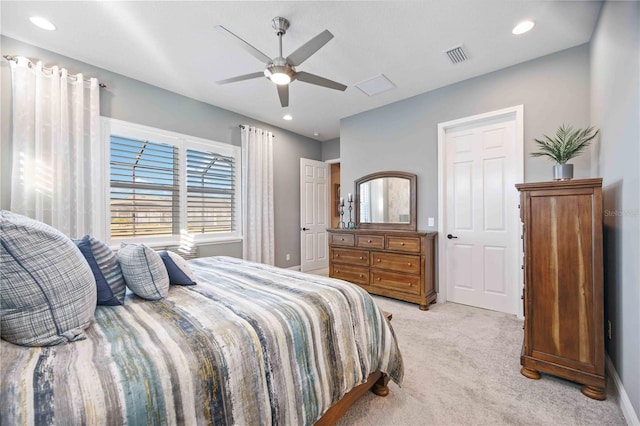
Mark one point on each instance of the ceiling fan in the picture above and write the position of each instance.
(280, 70)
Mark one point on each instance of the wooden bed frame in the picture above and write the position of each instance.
(377, 383)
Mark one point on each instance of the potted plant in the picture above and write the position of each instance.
(566, 144)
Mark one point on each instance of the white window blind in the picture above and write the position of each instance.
(210, 192)
(144, 188)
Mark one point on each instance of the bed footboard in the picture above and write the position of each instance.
(377, 383)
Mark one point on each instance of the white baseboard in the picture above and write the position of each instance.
(624, 402)
(294, 268)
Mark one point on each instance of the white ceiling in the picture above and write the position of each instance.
(174, 45)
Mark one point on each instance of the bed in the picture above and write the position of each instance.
(250, 344)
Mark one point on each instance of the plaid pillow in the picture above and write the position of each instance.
(48, 292)
(143, 271)
(105, 268)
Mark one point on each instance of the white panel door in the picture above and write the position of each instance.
(314, 214)
(481, 249)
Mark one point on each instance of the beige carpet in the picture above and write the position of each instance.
(462, 367)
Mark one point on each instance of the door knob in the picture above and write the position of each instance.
(306, 229)
(449, 236)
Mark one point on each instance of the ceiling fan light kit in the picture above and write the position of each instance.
(280, 70)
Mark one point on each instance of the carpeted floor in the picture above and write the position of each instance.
(462, 367)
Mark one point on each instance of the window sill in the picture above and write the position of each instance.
(115, 246)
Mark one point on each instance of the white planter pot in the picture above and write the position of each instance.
(563, 171)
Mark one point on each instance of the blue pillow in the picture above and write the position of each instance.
(105, 268)
(177, 268)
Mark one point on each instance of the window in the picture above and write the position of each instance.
(210, 192)
(165, 187)
(145, 188)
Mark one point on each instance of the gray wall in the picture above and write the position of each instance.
(331, 149)
(615, 108)
(137, 102)
(403, 136)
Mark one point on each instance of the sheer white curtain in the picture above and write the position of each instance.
(56, 146)
(257, 194)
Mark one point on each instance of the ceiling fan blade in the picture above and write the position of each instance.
(242, 77)
(283, 93)
(246, 46)
(309, 48)
(319, 81)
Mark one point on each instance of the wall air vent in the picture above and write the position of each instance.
(457, 54)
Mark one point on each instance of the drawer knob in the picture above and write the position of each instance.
(361, 258)
(337, 255)
(337, 271)
(409, 284)
(360, 275)
(379, 260)
(409, 264)
(368, 241)
(378, 278)
(401, 244)
(341, 239)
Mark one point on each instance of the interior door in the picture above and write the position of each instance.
(314, 214)
(481, 216)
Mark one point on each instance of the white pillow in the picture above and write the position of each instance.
(143, 271)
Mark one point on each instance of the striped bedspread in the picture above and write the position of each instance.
(249, 345)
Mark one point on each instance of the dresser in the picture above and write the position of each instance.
(392, 263)
(563, 282)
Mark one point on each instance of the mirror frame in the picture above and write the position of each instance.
(413, 219)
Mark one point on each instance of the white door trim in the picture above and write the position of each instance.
(518, 112)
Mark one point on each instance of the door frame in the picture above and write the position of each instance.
(330, 201)
(518, 113)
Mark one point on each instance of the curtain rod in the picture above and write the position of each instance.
(242, 127)
(13, 58)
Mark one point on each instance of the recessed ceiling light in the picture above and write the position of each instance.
(523, 27)
(43, 23)
(288, 117)
(316, 134)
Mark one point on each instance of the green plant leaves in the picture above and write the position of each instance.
(566, 144)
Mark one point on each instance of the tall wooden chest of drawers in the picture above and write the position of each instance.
(563, 282)
(397, 264)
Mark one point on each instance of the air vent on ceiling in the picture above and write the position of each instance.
(376, 85)
(457, 54)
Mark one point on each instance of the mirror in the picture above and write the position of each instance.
(386, 200)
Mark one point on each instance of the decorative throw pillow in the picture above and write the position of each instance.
(178, 269)
(143, 271)
(48, 292)
(105, 268)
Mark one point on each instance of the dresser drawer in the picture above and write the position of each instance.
(395, 281)
(354, 274)
(370, 241)
(350, 256)
(396, 262)
(408, 244)
(342, 240)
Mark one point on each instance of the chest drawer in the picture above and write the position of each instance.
(408, 244)
(395, 281)
(354, 274)
(342, 240)
(396, 262)
(370, 241)
(351, 256)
